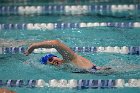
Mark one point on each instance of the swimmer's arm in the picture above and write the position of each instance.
(43, 44)
(65, 51)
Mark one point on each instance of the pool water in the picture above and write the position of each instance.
(19, 66)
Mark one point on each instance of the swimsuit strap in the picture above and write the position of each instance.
(94, 67)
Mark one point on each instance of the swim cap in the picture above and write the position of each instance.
(44, 59)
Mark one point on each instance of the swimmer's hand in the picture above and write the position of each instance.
(28, 51)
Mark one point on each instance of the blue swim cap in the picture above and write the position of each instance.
(44, 59)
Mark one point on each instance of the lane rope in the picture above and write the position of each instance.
(72, 83)
(132, 50)
(52, 26)
(68, 9)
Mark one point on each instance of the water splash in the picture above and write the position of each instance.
(121, 69)
(122, 66)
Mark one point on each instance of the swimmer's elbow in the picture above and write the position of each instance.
(55, 42)
(33, 45)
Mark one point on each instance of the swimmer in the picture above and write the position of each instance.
(67, 54)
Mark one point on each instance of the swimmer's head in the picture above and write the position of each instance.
(51, 59)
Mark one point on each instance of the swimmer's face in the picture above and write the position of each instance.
(55, 61)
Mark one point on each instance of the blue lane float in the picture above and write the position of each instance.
(8, 10)
(19, 83)
(72, 83)
(12, 26)
(84, 84)
(66, 25)
(14, 83)
(12, 50)
(53, 9)
(121, 24)
(132, 50)
(100, 8)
